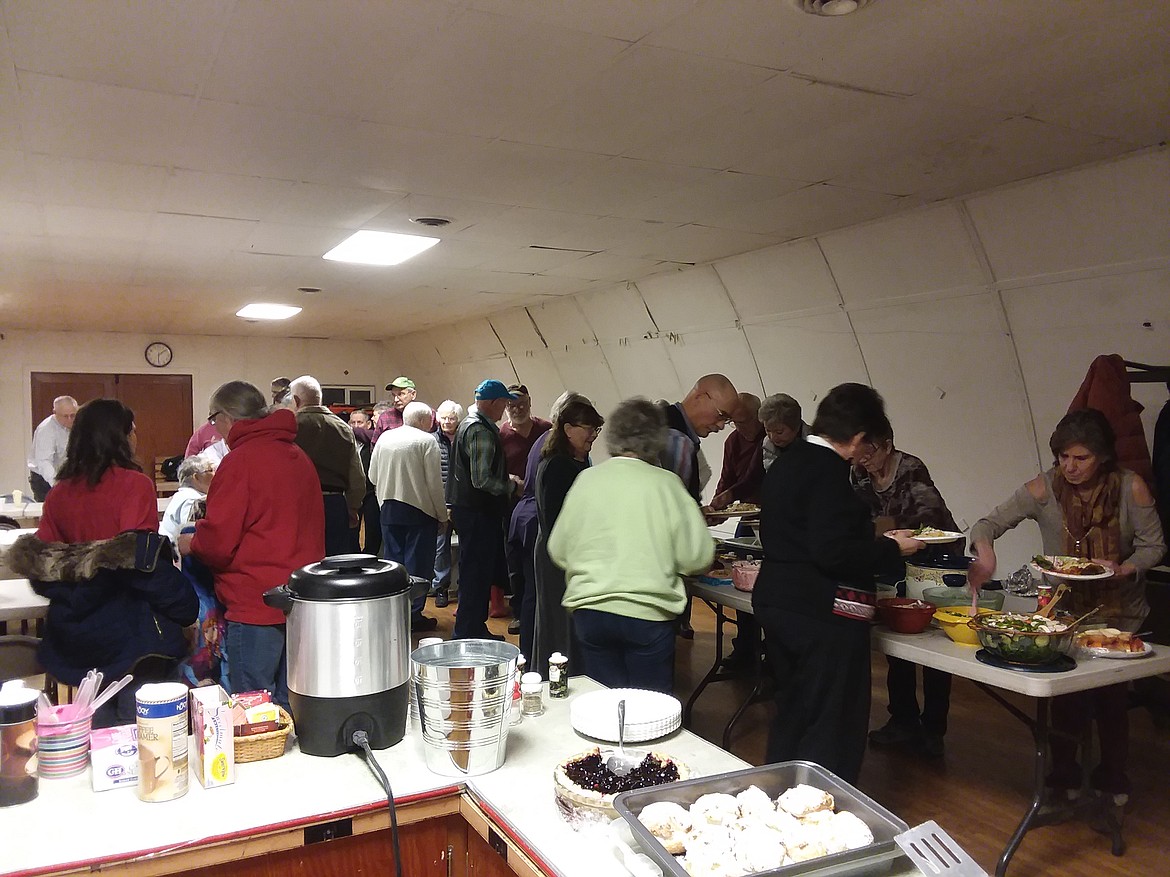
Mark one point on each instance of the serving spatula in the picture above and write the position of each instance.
(935, 853)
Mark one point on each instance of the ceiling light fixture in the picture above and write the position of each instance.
(379, 248)
(267, 311)
(830, 8)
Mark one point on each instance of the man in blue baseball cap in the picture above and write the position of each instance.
(478, 490)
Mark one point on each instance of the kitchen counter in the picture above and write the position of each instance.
(68, 827)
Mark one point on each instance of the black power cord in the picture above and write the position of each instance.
(362, 740)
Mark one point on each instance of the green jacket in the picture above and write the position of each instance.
(626, 533)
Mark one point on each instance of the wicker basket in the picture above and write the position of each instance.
(270, 744)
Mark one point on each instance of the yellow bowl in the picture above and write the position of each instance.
(953, 620)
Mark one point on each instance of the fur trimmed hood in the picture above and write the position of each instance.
(39, 561)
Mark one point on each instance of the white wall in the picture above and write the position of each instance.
(976, 318)
(210, 360)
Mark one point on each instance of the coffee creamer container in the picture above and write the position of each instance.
(162, 741)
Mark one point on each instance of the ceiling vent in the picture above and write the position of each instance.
(830, 8)
(431, 221)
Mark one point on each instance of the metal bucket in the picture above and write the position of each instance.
(463, 692)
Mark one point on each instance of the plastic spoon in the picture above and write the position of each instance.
(110, 692)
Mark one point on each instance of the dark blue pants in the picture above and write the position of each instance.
(372, 518)
(623, 652)
(442, 579)
(336, 524)
(258, 659)
(481, 546)
(408, 537)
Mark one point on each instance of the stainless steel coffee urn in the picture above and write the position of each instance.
(348, 651)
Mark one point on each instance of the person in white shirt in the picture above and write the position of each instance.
(407, 473)
(48, 446)
(195, 480)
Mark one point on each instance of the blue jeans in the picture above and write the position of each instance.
(623, 652)
(408, 537)
(337, 540)
(258, 659)
(443, 571)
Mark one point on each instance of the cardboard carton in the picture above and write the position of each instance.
(113, 752)
(214, 752)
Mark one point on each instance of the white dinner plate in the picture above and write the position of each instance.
(947, 536)
(649, 714)
(1118, 656)
(1039, 570)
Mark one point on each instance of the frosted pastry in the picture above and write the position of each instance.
(715, 809)
(783, 822)
(848, 832)
(754, 802)
(667, 821)
(802, 800)
(804, 852)
(759, 849)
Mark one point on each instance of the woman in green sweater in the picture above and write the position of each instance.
(626, 534)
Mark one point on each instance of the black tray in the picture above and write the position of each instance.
(1061, 665)
(774, 779)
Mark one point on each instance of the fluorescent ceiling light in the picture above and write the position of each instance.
(266, 311)
(379, 248)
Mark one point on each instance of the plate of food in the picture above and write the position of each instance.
(1109, 642)
(1072, 568)
(931, 535)
(735, 510)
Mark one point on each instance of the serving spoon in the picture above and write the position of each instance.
(620, 764)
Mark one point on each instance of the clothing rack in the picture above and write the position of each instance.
(1140, 373)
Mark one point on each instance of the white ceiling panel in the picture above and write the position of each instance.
(517, 332)
(665, 132)
(1103, 215)
(921, 252)
(166, 51)
(642, 367)
(586, 370)
(617, 313)
(805, 357)
(714, 351)
(477, 341)
(562, 325)
(604, 266)
(778, 280)
(537, 370)
(687, 301)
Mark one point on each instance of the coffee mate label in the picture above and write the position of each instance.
(162, 741)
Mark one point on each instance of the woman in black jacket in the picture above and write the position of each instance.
(117, 602)
(814, 596)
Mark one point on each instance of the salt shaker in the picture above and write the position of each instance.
(532, 694)
(558, 675)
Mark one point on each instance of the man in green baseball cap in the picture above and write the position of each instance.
(402, 390)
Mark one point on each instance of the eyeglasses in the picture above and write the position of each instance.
(594, 431)
(211, 417)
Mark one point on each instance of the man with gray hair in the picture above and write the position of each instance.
(48, 446)
(407, 471)
(329, 443)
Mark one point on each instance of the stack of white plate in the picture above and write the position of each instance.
(649, 714)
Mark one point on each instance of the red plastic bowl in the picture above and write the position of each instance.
(905, 615)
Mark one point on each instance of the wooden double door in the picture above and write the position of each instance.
(161, 405)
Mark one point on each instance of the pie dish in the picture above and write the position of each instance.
(585, 788)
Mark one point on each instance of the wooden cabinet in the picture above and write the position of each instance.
(424, 848)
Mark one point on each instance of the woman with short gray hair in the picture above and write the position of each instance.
(781, 417)
(194, 480)
(627, 532)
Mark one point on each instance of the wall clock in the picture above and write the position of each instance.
(159, 354)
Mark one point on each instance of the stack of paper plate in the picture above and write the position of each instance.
(649, 714)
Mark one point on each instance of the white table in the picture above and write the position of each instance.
(934, 649)
(18, 601)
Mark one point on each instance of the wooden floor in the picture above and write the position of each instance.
(978, 792)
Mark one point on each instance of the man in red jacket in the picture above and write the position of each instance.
(265, 518)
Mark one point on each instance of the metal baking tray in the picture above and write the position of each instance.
(775, 779)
